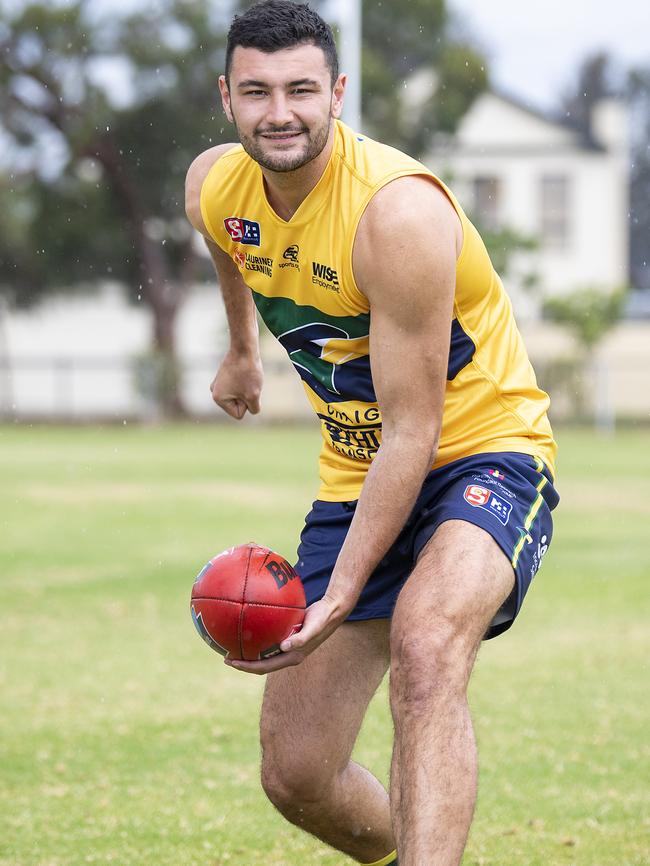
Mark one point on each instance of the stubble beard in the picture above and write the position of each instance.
(285, 162)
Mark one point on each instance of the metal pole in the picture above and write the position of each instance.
(6, 399)
(349, 16)
(346, 15)
(605, 416)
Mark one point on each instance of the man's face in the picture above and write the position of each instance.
(282, 104)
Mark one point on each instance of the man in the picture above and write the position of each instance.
(436, 485)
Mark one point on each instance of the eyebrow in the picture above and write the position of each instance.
(251, 82)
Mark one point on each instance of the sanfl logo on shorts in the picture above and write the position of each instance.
(481, 497)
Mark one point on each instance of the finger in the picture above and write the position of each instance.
(299, 640)
(313, 631)
(253, 404)
(232, 406)
(266, 666)
(238, 409)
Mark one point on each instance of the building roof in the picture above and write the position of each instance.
(585, 139)
(498, 123)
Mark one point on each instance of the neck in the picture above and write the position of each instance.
(286, 190)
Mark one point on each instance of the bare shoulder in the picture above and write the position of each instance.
(196, 175)
(412, 205)
(409, 229)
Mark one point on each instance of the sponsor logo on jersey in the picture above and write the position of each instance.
(360, 443)
(497, 474)
(481, 497)
(243, 231)
(250, 262)
(324, 276)
(290, 257)
(260, 264)
(355, 433)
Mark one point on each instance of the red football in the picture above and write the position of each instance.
(246, 601)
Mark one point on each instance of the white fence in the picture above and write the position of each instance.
(79, 389)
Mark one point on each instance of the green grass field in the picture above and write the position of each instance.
(124, 740)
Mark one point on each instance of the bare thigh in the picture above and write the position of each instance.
(461, 579)
(311, 713)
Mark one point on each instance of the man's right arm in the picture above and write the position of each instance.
(238, 383)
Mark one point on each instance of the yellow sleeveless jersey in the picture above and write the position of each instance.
(300, 274)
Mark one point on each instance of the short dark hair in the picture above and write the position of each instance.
(275, 24)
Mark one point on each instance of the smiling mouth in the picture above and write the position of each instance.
(281, 136)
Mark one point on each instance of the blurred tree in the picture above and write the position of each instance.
(503, 245)
(596, 80)
(409, 46)
(101, 115)
(588, 312)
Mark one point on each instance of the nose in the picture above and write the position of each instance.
(278, 113)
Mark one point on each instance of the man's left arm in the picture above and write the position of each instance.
(405, 263)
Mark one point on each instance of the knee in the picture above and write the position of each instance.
(429, 664)
(292, 784)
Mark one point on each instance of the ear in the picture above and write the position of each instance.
(337, 96)
(225, 97)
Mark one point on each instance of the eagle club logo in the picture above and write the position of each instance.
(290, 258)
(243, 231)
(481, 497)
(324, 276)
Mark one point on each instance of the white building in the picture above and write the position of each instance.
(512, 167)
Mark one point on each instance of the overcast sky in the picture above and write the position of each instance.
(535, 45)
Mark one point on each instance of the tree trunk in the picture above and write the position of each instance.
(162, 293)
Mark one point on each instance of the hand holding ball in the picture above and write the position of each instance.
(246, 601)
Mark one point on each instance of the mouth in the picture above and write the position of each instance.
(287, 135)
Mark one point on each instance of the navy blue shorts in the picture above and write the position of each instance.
(509, 495)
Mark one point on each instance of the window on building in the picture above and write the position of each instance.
(554, 215)
(487, 192)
